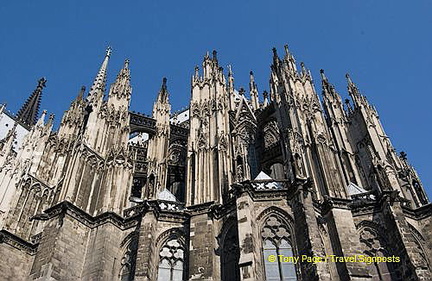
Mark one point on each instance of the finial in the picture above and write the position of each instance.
(108, 51)
(403, 155)
(81, 92)
(303, 67)
(214, 54)
(42, 83)
(196, 71)
(126, 63)
(164, 81)
(286, 49)
(41, 120)
(230, 73)
(274, 52)
(266, 102)
(251, 80)
(323, 77)
(241, 91)
(50, 119)
(349, 79)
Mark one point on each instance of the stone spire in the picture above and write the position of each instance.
(230, 80)
(327, 88)
(158, 145)
(121, 88)
(162, 108)
(289, 60)
(353, 91)
(253, 91)
(81, 93)
(30, 110)
(99, 84)
(163, 93)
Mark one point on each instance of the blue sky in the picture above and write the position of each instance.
(384, 45)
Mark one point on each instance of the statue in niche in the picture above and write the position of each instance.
(239, 171)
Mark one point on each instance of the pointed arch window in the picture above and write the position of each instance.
(277, 242)
(127, 270)
(374, 245)
(171, 261)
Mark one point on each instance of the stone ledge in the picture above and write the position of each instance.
(17, 242)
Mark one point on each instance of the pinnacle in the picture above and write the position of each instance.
(30, 110)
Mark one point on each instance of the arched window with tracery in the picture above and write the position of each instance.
(374, 245)
(128, 261)
(171, 261)
(277, 243)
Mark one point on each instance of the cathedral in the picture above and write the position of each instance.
(244, 185)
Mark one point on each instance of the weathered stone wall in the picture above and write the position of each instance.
(15, 264)
(61, 251)
(203, 263)
(103, 253)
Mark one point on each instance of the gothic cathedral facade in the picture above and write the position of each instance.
(279, 185)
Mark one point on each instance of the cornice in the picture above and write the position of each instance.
(335, 203)
(419, 213)
(17, 242)
(66, 208)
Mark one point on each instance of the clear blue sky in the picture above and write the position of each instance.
(385, 45)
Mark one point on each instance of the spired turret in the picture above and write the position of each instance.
(100, 159)
(308, 143)
(158, 145)
(209, 166)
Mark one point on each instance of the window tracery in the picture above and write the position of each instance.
(127, 271)
(171, 261)
(277, 242)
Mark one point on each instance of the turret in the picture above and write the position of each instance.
(158, 145)
(209, 165)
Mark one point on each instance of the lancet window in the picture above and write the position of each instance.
(277, 245)
(171, 261)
